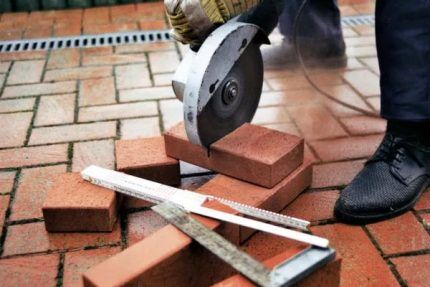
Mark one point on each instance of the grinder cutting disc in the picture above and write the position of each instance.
(235, 100)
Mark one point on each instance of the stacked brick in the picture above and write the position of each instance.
(257, 166)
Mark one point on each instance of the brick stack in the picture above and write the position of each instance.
(258, 166)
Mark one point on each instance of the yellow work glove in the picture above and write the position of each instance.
(192, 20)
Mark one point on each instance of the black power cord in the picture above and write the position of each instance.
(305, 70)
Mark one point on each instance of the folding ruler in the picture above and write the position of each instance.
(193, 202)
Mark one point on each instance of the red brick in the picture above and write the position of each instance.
(39, 89)
(132, 76)
(364, 125)
(400, 234)
(15, 56)
(8, 106)
(146, 158)
(424, 201)
(28, 156)
(317, 123)
(109, 28)
(54, 110)
(17, 239)
(142, 224)
(97, 92)
(44, 31)
(252, 153)
(167, 258)
(118, 111)
(33, 186)
(77, 263)
(120, 10)
(73, 204)
(151, 7)
(64, 58)
(20, 17)
(140, 128)
(163, 62)
(335, 174)
(39, 270)
(365, 82)
(6, 181)
(14, 129)
(4, 205)
(10, 34)
(77, 73)
(346, 148)
(414, 270)
(67, 29)
(97, 51)
(99, 15)
(313, 206)
(327, 276)
(75, 132)
(361, 263)
(114, 59)
(153, 25)
(274, 199)
(26, 72)
(99, 153)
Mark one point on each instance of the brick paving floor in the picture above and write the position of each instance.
(63, 110)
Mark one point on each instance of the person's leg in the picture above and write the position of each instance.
(399, 172)
(319, 33)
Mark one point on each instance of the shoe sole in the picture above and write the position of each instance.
(365, 219)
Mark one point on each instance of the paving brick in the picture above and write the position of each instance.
(17, 239)
(16, 56)
(24, 72)
(69, 133)
(14, 129)
(272, 199)
(285, 98)
(313, 206)
(6, 181)
(33, 186)
(97, 92)
(161, 80)
(39, 89)
(97, 51)
(347, 148)
(100, 153)
(142, 224)
(363, 125)
(77, 263)
(114, 59)
(146, 158)
(361, 51)
(8, 106)
(170, 251)
(39, 270)
(400, 234)
(153, 25)
(144, 47)
(296, 82)
(55, 110)
(361, 263)
(118, 111)
(335, 174)
(132, 76)
(271, 115)
(372, 63)
(345, 94)
(317, 124)
(360, 41)
(140, 128)
(20, 157)
(64, 58)
(328, 275)
(99, 15)
(375, 102)
(172, 113)
(77, 73)
(424, 201)
(414, 270)
(4, 67)
(4, 205)
(67, 29)
(241, 154)
(365, 82)
(109, 28)
(163, 62)
(73, 204)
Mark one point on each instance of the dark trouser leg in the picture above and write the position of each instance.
(320, 20)
(403, 42)
(265, 15)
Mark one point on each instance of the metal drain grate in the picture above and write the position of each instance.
(352, 21)
(85, 41)
(115, 39)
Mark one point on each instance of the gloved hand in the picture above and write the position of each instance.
(192, 20)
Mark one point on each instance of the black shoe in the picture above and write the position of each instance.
(324, 53)
(390, 183)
